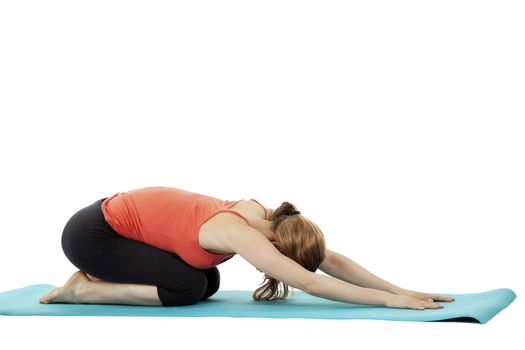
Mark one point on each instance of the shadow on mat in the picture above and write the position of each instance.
(460, 319)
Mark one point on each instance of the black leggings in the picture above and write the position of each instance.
(92, 245)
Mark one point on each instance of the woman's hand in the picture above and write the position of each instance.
(410, 302)
(424, 296)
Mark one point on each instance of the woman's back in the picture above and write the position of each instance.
(173, 219)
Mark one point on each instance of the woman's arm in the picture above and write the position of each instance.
(343, 268)
(261, 253)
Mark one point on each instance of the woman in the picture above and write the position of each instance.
(161, 246)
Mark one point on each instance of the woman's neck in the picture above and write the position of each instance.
(265, 227)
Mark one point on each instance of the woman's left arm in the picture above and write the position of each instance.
(344, 268)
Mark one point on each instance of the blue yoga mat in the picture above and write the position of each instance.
(477, 307)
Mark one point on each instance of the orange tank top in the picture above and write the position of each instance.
(168, 218)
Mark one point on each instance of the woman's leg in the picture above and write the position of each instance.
(92, 290)
(212, 275)
(81, 290)
(214, 280)
(131, 272)
(93, 278)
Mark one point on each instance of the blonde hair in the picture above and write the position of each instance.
(299, 239)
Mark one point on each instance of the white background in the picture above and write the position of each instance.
(396, 126)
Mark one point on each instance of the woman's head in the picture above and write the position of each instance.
(299, 239)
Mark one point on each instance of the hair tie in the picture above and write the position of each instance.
(295, 212)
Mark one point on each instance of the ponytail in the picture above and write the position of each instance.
(270, 290)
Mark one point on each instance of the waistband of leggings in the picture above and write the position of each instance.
(99, 201)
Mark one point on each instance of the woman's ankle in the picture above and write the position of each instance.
(83, 291)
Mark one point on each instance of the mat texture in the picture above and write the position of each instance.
(477, 307)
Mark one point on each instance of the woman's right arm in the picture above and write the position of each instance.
(261, 253)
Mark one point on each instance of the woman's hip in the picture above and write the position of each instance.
(87, 233)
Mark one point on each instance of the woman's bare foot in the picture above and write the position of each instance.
(66, 293)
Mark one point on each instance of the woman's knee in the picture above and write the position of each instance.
(186, 292)
(214, 281)
(199, 287)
